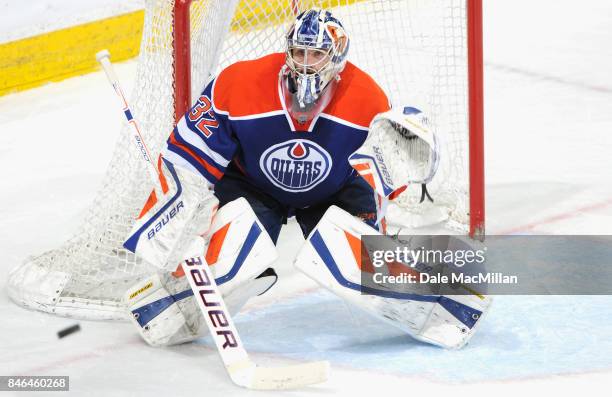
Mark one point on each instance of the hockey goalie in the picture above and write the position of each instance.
(297, 134)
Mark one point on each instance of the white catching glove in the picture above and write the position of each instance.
(399, 134)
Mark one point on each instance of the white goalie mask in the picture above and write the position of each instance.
(317, 46)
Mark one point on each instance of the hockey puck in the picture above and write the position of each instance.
(67, 331)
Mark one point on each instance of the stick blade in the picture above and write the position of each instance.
(291, 377)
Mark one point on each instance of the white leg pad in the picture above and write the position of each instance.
(238, 250)
(330, 258)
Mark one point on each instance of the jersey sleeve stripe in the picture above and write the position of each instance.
(199, 155)
(200, 169)
(179, 161)
(199, 161)
(196, 141)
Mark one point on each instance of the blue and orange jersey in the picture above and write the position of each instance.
(241, 118)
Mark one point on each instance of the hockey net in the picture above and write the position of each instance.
(417, 50)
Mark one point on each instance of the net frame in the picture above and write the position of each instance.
(86, 276)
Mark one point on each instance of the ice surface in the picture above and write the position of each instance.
(548, 92)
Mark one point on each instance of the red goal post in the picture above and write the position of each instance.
(476, 118)
(474, 44)
(424, 53)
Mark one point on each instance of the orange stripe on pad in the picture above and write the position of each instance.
(152, 200)
(365, 263)
(216, 242)
(178, 273)
(397, 192)
(369, 178)
(361, 166)
(362, 258)
(148, 205)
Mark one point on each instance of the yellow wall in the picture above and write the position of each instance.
(67, 52)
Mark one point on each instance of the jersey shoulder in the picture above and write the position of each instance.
(358, 97)
(249, 87)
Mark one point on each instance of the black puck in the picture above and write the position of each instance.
(67, 331)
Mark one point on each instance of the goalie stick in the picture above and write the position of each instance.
(241, 369)
(239, 366)
(103, 58)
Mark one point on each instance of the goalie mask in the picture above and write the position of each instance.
(316, 51)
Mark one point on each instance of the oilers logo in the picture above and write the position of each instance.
(297, 165)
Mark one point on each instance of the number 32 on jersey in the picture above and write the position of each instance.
(203, 117)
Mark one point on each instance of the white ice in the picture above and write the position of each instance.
(548, 111)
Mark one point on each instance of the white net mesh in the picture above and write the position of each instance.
(415, 49)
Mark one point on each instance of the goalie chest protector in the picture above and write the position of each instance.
(241, 117)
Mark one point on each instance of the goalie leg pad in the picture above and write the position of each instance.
(159, 307)
(164, 311)
(238, 251)
(332, 257)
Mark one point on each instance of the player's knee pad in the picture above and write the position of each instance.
(332, 257)
(237, 246)
(239, 252)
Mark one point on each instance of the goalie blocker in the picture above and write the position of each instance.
(167, 225)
